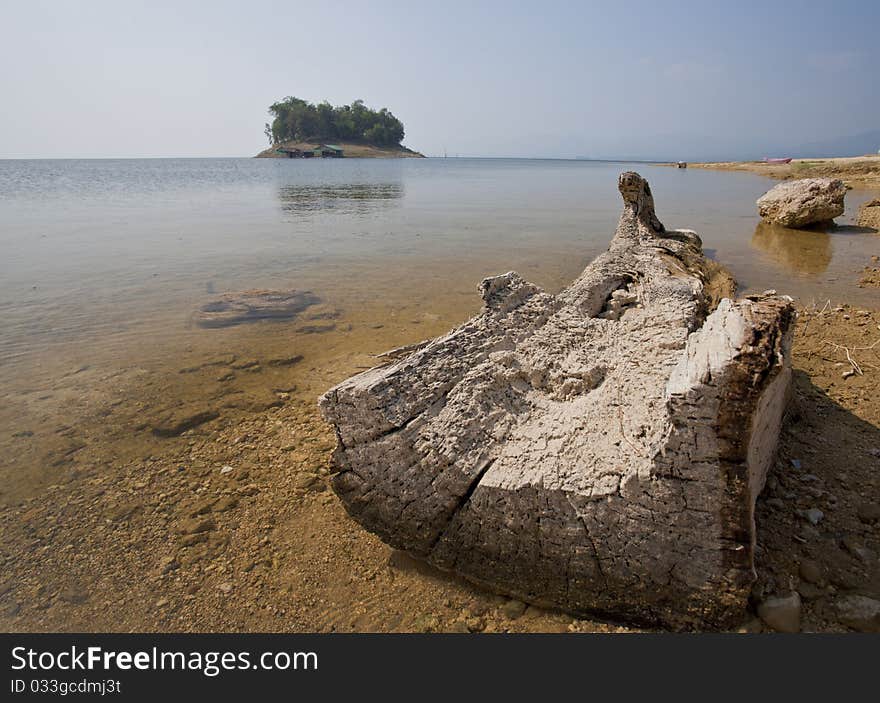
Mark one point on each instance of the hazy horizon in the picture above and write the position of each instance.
(565, 80)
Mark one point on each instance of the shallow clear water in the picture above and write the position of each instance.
(105, 261)
(90, 244)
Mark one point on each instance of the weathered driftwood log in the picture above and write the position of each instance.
(599, 450)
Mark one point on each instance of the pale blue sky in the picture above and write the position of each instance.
(604, 79)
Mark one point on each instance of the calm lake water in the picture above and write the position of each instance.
(105, 261)
(90, 245)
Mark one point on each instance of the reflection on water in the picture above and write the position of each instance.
(853, 229)
(797, 250)
(349, 198)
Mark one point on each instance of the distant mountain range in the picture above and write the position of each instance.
(693, 147)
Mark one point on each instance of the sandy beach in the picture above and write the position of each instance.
(855, 171)
(233, 527)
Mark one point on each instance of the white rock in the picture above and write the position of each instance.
(803, 202)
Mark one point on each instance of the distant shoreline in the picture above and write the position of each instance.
(855, 171)
(350, 150)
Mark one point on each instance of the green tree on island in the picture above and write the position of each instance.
(298, 120)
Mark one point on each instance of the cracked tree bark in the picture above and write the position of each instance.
(599, 450)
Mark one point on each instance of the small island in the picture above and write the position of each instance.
(300, 129)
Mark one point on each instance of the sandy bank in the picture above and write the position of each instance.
(856, 171)
(232, 528)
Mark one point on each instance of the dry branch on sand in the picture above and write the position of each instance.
(856, 367)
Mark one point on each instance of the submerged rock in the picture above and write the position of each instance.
(285, 360)
(803, 202)
(316, 329)
(252, 305)
(599, 450)
(177, 421)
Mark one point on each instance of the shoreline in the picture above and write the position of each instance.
(861, 172)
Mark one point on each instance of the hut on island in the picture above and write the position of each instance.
(308, 151)
(329, 151)
(293, 152)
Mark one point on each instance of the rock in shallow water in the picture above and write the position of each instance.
(599, 450)
(803, 202)
(178, 420)
(253, 305)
